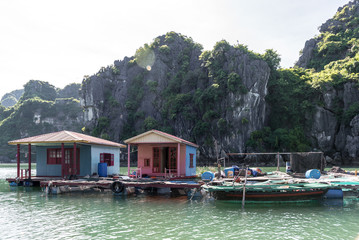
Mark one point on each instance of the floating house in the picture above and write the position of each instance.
(161, 154)
(66, 153)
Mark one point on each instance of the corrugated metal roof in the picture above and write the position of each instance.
(148, 137)
(65, 137)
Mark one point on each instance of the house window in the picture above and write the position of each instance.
(146, 162)
(191, 160)
(54, 156)
(107, 158)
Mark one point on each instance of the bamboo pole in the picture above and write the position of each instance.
(244, 188)
(283, 153)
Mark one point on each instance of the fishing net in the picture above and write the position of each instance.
(301, 162)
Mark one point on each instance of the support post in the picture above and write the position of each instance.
(74, 170)
(219, 170)
(178, 160)
(128, 158)
(29, 160)
(278, 162)
(18, 160)
(62, 159)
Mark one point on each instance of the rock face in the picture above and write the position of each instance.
(10, 99)
(324, 129)
(307, 53)
(335, 123)
(170, 86)
(352, 139)
(246, 112)
(332, 135)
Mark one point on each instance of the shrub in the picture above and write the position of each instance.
(152, 85)
(164, 49)
(234, 84)
(351, 112)
(150, 123)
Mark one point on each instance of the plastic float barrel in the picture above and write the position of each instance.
(312, 173)
(102, 169)
(28, 183)
(13, 184)
(334, 194)
(288, 168)
(229, 172)
(207, 176)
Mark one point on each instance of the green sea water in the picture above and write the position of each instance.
(27, 213)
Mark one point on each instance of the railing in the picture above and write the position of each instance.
(170, 171)
(27, 172)
(139, 170)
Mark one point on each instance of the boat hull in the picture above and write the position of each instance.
(271, 193)
(270, 196)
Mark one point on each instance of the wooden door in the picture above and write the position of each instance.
(69, 162)
(172, 159)
(156, 160)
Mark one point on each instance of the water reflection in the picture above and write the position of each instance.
(31, 213)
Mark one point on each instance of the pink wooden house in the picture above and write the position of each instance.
(160, 154)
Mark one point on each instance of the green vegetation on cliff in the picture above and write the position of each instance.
(39, 110)
(294, 94)
(339, 38)
(291, 99)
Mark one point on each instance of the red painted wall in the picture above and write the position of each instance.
(146, 151)
(183, 160)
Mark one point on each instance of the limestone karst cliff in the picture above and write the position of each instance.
(227, 99)
(333, 59)
(208, 97)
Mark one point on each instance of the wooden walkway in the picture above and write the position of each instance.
(106, 183)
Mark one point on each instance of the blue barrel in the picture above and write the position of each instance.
(334, 194)
(312, 173)
(229, 172)
(207, 176)
(13, 184)
(102, 169)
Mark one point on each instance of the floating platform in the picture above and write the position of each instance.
(29, 182)
(116, 185)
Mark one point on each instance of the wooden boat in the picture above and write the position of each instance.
(259, 193)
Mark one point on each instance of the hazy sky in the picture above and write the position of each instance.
(61, 41)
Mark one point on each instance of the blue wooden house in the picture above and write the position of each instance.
(66, 153)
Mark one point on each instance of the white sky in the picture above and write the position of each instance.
(61, 41)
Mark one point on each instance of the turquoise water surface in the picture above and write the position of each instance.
(27, 213)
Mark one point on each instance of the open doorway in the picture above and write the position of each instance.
(164, 159)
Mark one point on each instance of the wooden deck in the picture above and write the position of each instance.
(106, 183)
(35, 181)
